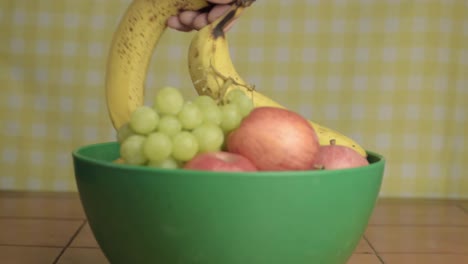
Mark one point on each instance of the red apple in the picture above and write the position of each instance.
(333, 157)
(220, 161)
(275, 139)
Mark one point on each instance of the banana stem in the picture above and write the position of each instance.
(244, 3)
(234, 12)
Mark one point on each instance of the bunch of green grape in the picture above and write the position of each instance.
(175, 130)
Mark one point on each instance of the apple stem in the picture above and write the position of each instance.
(333, 141)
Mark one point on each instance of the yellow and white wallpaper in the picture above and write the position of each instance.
(391, 74)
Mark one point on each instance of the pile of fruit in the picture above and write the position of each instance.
(229, 126)
(229, 135)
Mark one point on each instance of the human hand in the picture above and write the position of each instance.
(194, 20)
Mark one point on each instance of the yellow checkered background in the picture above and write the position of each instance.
(392, 74)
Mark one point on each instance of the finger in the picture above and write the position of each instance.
(229, 25)
(187, 17)
(200, 21)
(222, 2)
(217, 11)
(174, 23)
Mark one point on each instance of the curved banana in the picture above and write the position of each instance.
(132, 47)
(213, 73)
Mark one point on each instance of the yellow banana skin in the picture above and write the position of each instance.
(213, 73)
(132, 48)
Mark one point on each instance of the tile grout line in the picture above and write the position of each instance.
(85, 247)
(9, 217)
(461, 207)
(28, 245)
(69, 242)
(373, 249)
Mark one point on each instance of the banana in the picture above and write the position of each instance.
(210, 64)
(131, 49)
(212, 72)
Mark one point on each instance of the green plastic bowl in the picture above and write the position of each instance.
(147, 215)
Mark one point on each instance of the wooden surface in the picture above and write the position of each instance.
(47, 228)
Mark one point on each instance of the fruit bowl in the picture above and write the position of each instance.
(148, 215)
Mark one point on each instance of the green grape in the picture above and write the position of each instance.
(169, 125)
(210, 137)
(242, 100)
(190, 116)
(233, 95)
(144, 120)
(168, 100)
(168, 163)
(157, 146)
(212, 114)
(231, 117)
(184, 146)
(131, 150)
(124, 132)
(245, 105)
(209, 108)
(204, 100)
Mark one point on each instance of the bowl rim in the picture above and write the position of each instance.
(78, 155)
